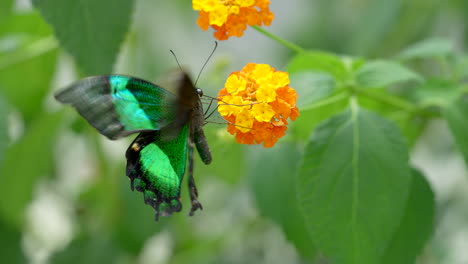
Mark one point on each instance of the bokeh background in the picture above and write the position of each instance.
(64, 185)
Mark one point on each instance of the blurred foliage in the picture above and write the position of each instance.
(18, 181)
(90, 38)
(338, 189)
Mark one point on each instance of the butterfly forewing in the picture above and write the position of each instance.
(118, 105)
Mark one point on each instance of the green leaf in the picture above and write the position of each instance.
(25, 163)
(410, 124)
(311, 115)
(10, 245)
(320, 62)
(382, 73)
(4, 112)
(29, 66)
(39, 72)
(416, 226)
(436, 92)
(427, 48)
(90, 249)
(456, 116)
(311, 86)
(271, 178)
(30, 24)
(353, 185)
(91, 31)
(6, 7)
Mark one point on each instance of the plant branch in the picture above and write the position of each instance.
(283, 42)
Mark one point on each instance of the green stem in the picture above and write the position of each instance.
(353, 103)
(283, 42)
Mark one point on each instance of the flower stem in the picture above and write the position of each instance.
(283, 42)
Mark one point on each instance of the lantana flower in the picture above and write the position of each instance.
(257, 103)
(230, 17)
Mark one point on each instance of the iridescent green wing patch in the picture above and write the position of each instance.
(156, 167)
(118, 105)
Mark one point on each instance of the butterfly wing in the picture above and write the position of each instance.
(156, 167)
(187, 100)
(118, 105)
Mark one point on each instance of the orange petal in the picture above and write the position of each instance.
(294, 113)
(244, 138)
(203, 20)
(220, 33)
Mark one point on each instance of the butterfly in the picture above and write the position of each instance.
(169, 124)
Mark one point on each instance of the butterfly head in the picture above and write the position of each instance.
(199, 92)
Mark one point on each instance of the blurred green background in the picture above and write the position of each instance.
(63, 190)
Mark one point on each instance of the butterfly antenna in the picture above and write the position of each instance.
(175, 57)
(206, 62)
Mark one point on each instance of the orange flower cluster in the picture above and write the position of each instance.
(230, 17)
(257, 101)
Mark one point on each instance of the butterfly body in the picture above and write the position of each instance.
(169, 126)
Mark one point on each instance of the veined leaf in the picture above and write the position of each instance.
(456, 116)
(313, 114)
(353, 185)
(383, 73)
(416, 226)
(91, 31)
(320, 62)
(311, 86)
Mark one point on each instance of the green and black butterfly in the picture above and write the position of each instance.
(169, 126)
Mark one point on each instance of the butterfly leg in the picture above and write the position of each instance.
(191, 183)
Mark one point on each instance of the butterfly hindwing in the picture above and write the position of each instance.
(156, 167)
(118, 105)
